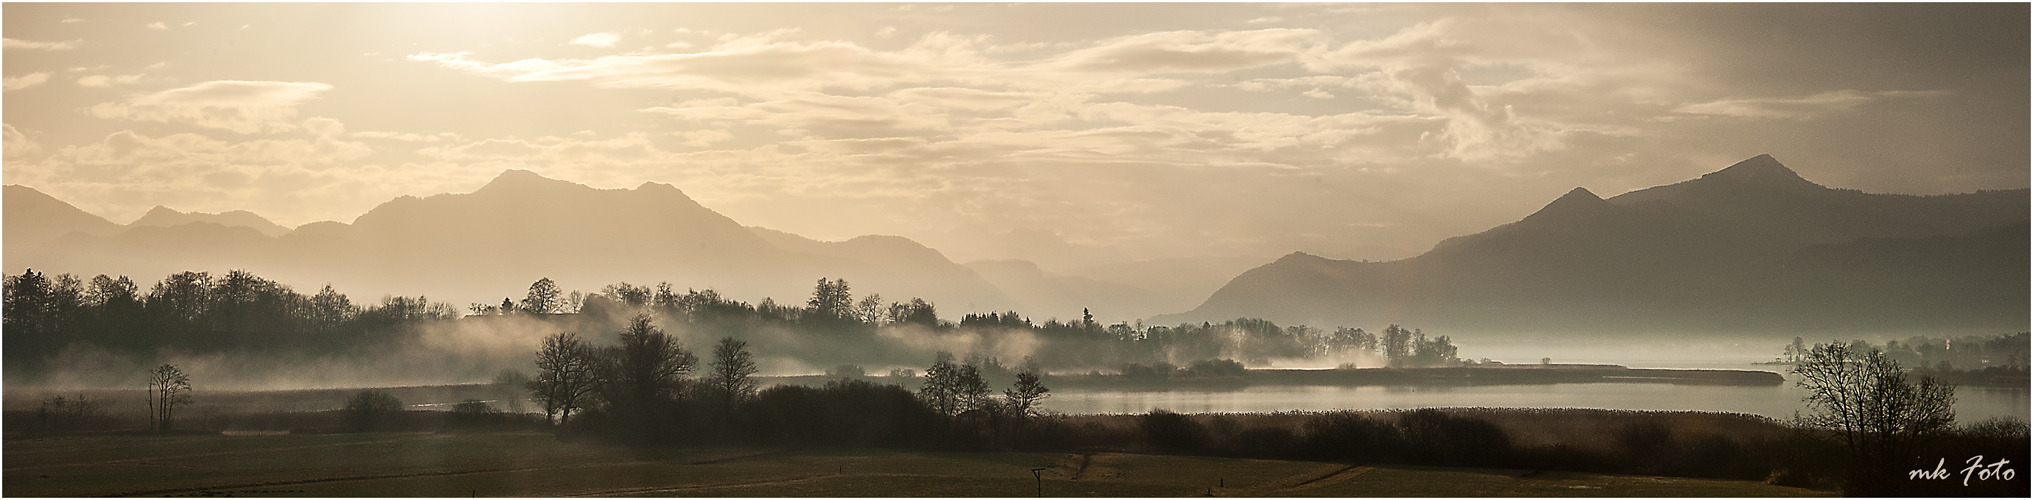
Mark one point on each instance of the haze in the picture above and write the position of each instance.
(1128, 131)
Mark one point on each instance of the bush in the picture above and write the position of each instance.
(475, 413)
(843, 413)
(1348, 436)
(1169, 432)
(372, 410)
(1439, 438)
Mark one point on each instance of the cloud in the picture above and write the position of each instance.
(15, 145)
(102, 81)
(69, 20)
(10, 44)
(18, 83)
(324, 127)
(1798, 108)
(1194, 51)
(601, 40)
(571, 153)
(240, 106)
(405, 136)
(158, 25)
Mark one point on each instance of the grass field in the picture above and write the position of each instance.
(446, 465)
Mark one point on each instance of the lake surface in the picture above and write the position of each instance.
(1781, 402)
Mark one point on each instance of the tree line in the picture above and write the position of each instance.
(199, 312)
(196, 312)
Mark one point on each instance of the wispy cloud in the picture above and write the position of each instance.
(601, 40)
(102, 81)
(11, 44)
(1798, 108)
(240, 106)
(31, 80)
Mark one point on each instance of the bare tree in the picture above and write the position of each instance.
(1867, 401)
(1025, 394)
(168, 388)
(544, 297)
(970, 390)
(732, 367)
(649, 365)
(566, 375)
(941, 389)
(870, 310)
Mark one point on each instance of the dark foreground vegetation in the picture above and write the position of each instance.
(538, 465)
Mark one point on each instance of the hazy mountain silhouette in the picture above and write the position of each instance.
(1751, 248)
(491, 243)
(1043, 248)
(162, 216)
(34, 218)
(1045, 296)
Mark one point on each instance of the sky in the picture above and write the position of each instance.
(1157, 130)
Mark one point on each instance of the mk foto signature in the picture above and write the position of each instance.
(1977, 469)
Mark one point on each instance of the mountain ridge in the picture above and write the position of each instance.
(1682, 257)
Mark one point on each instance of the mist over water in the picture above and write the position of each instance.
(1972, 404)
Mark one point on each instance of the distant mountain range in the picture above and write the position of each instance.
(1752, 248)
(491, 243)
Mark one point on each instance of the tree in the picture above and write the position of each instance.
(1024, 396)
(371, 410)
(168, 388)
(732, 367)
(916, 312)
(970, 391)
(941, 388)
(566, 375)
(1397, 345)
(869, 310)
(648, 366)
(831, 300)
(1871, 407)
(543, 298)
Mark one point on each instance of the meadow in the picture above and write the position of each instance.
(541, 465)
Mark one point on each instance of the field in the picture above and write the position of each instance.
(535, 464)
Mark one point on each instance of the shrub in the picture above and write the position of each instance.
(1169, 432)
(372, 410)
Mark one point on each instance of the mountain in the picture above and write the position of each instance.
(1044, 296)
(1753, 248)
(493, 242)
(1044, 248)
(879, 262)
(162, 216)
(32, 217)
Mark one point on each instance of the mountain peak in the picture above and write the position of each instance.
(517, 179)
(1760, 170)
(1579, 195)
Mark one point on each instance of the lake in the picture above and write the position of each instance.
(1972, 403)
